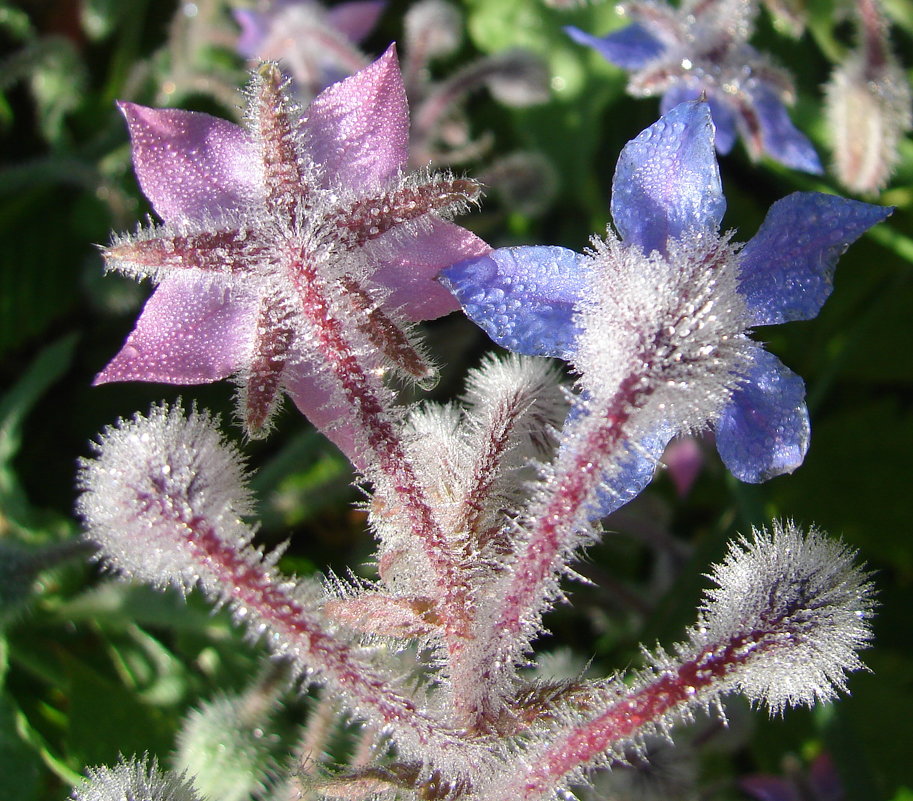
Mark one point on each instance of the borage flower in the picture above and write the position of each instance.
(700, 49)
(293, 250)
(655, 319)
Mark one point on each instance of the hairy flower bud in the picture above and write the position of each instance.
(156, 482)
(798, 608)
(783, 625)
(222, 744)
(434, 29)
(867, 117)
(138, 780)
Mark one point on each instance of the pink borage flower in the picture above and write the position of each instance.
(285, 239)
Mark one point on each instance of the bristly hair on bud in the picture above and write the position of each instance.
(801, 606)
(137, 780)
(782, 626)
(150, 473)
(677, 317)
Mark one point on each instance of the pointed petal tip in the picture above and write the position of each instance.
(667, 180)
(787, 267)
(764, 432)
(358, 128)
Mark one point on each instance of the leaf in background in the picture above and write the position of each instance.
(57, 79)
(15, 404)
(857, 469)
(568, 129)
(19, 764)
(307, 475)
(106, 719)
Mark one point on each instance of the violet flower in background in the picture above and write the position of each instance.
(819, 782)
(667, 204)
(273, 231)
(316, 45)
(701, 48)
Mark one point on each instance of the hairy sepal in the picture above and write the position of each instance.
(669, 329)
(783, 626)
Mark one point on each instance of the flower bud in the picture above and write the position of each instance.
(868, 113)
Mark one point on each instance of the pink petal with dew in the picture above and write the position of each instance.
(315, 403)
(411, 273)
(358, 129)
(356, 19)
(190, 332)
(192, 166)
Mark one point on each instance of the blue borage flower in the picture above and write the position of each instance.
(701, 49)
(667, 206)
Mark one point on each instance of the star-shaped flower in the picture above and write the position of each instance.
(667, 206)
(286, 241)
(701, 48)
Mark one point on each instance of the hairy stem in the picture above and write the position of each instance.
(371, 408)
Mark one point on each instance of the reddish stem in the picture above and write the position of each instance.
(365, 397)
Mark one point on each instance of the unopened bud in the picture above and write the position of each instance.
(136, 780)
(434, 29)
(518, 78)
(868, 112)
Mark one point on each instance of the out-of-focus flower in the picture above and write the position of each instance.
(819, 783)
(683, 459)
(701, 49)
(285, 240)
(869, 107)
(317, 46)
(642, 294)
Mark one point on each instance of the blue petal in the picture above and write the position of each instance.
(522, 297)
(787, 268)
(635, 474)
(764, 430)
(667, 180)
(781, 139)
(630, 48)
(724, 120)
(637, 469)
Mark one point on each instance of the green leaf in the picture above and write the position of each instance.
(15, 404)
(20, 766)
(107, 720)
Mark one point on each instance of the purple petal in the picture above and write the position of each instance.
(315, 402)
(764, 430)
(522, 297)
(358, 129)
(193, 167)
(787, 269)
(824, 779)
(667, 180)
(781, 139)
(410, 274)
(190, 332)
(721, 112)
(356, 19)
(254, 28)
(631, 47)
